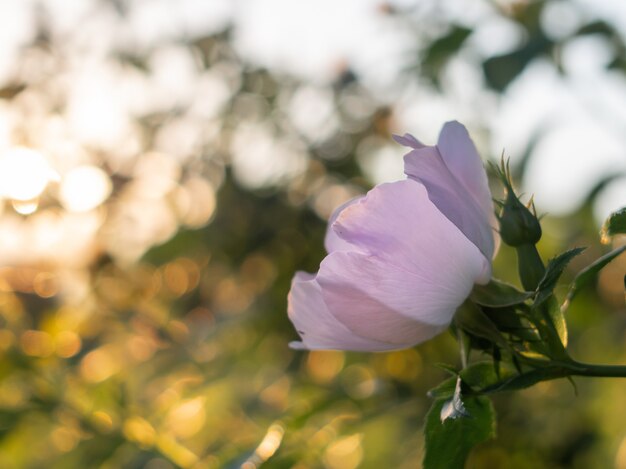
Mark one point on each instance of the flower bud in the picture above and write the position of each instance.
(518, 225)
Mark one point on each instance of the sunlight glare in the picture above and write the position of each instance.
(25, 207)
(84, 188)
(24, 174)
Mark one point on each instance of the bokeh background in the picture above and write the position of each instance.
(166, 166)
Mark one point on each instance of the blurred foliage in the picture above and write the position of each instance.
(170, 350)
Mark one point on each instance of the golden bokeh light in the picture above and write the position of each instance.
(140, 431)
(102, 420)
(324, 366)
(65, 439)
(359, 381)
(37, 343)
(620, 456)
(344, 453)
(25, 207)
(84, 188)
(266, 449)
(46, 284)
(24, 174)
(404, 365)
(187, 418)
(100, 364)
(67, 344)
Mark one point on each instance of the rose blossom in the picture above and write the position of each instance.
(402, 258)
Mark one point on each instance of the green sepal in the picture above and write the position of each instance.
(513, 321)
(471, 319)
(529, 266)
(475, 377)
(498, 294)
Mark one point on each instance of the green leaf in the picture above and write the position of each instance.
(500, 71)
(549, 318)
(498, 294)
(588, 273)
(443, 390)
(481, 374)
(442, 49)
(597, 27)
(449, 443)
(615, 224)
(554, 270)
(447, 368)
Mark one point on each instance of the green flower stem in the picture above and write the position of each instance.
(548, 371)
(530, 266)
(599, 371)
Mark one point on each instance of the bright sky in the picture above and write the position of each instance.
(586, 142)
(315, 38)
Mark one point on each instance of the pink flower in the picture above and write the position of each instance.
(402, 258)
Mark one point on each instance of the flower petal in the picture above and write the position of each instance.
(460, 155)
(408, 140)
(332, 242)
(380, 301)
(427, 166)
(413, 270)
(317, 327)
(399, 223)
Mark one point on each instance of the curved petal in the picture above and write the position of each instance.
(317, 328)
(381, 302)
(398, 223)
(332, 242)
(460, 155)
(414, 268)
(408, 140)
(427, 166)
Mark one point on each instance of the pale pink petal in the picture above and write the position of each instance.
(413, 270)
(384, 302)
(460, 155)
(317, 328)
(408, 140)
(398, 223)
(427, 166)
(332, 242)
